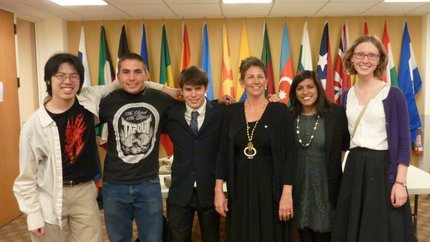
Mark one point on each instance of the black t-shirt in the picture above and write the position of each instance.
(78, 143)
(134, 134)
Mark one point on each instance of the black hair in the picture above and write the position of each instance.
(193, 76)
(53, 64)
(321, 104)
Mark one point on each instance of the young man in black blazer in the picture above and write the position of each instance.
(194, 127)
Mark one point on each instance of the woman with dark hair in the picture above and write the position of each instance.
(321, 136)
(256, 160)
(373, 200)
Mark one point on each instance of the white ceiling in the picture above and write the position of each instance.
(153, 9)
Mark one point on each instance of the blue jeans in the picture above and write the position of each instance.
(142, 202)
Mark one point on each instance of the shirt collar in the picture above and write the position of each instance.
(201, 110)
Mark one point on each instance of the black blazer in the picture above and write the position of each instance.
(279, 126)
(194, 154)
(336, 140)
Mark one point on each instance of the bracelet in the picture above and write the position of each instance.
(401, 183)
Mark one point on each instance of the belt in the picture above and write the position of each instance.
(70, 183)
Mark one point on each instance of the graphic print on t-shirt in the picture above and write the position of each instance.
(73, 141)
(135, 126)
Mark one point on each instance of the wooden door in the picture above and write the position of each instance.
(9, 119)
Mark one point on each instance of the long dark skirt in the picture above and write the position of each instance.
(364, 211)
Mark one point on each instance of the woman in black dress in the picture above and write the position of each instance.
(321, 137)
(256, 160)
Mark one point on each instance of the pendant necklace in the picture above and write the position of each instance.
(250, 150)
(313, 132)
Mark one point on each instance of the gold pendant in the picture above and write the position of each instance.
(250, 151)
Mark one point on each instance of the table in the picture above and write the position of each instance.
(418, 183)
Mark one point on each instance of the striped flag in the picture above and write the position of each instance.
(82, 55)
(186, 52)
(266, 58)
(410, 81)
(305, 56)
(166, 77)
(390, 72)
(325, 66)
(143, 47)
(342, 80)
(243, 53)
(206, 61)
(106, 76)
(227, 87)
(286, 68)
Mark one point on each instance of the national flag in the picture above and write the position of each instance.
(106, 76)
(286, 68)
(82, 55)
(227, 87)
(325, 66)
(390, 72)
(243, 53)
(409, 81)
(206, 61)
(186, 52)
(166, 77)
(266, 58)
(123, 44)
(305, 56)
(342, 80)
(365, 28)
(143, 48)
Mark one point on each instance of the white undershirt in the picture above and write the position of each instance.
(371, 131)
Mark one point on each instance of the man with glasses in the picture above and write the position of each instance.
(59, 160)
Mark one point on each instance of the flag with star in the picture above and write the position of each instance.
(409, 81)
(325, 67)
(286, 67)
(342, 79)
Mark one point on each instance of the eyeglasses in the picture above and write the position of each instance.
(63, 76)
(370, 56)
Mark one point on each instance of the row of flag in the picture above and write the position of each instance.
(335, 80)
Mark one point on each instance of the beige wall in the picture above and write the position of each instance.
(28, 90)
(254, 27)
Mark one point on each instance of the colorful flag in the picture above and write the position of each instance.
(143, 47)
(390, 72)
(305, 56)
(166, 77)
(123, 44)
(342, 79)
(227, 87)
(409, 81)
(206, 61)
(106, 76)
(82, 55)
(325, 66)
(243, 53)
(266, 58)
(286, 67)
(186, 52)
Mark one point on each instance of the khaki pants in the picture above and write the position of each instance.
(80, 216)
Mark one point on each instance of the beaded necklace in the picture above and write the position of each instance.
(313, 132)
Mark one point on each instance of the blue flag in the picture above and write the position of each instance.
(143, 48)
(206, 62)
(410, 81)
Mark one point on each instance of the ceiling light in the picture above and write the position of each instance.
(78, 2)
(245, 1)
(406, 1)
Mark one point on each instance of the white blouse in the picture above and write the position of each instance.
(371, 131)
